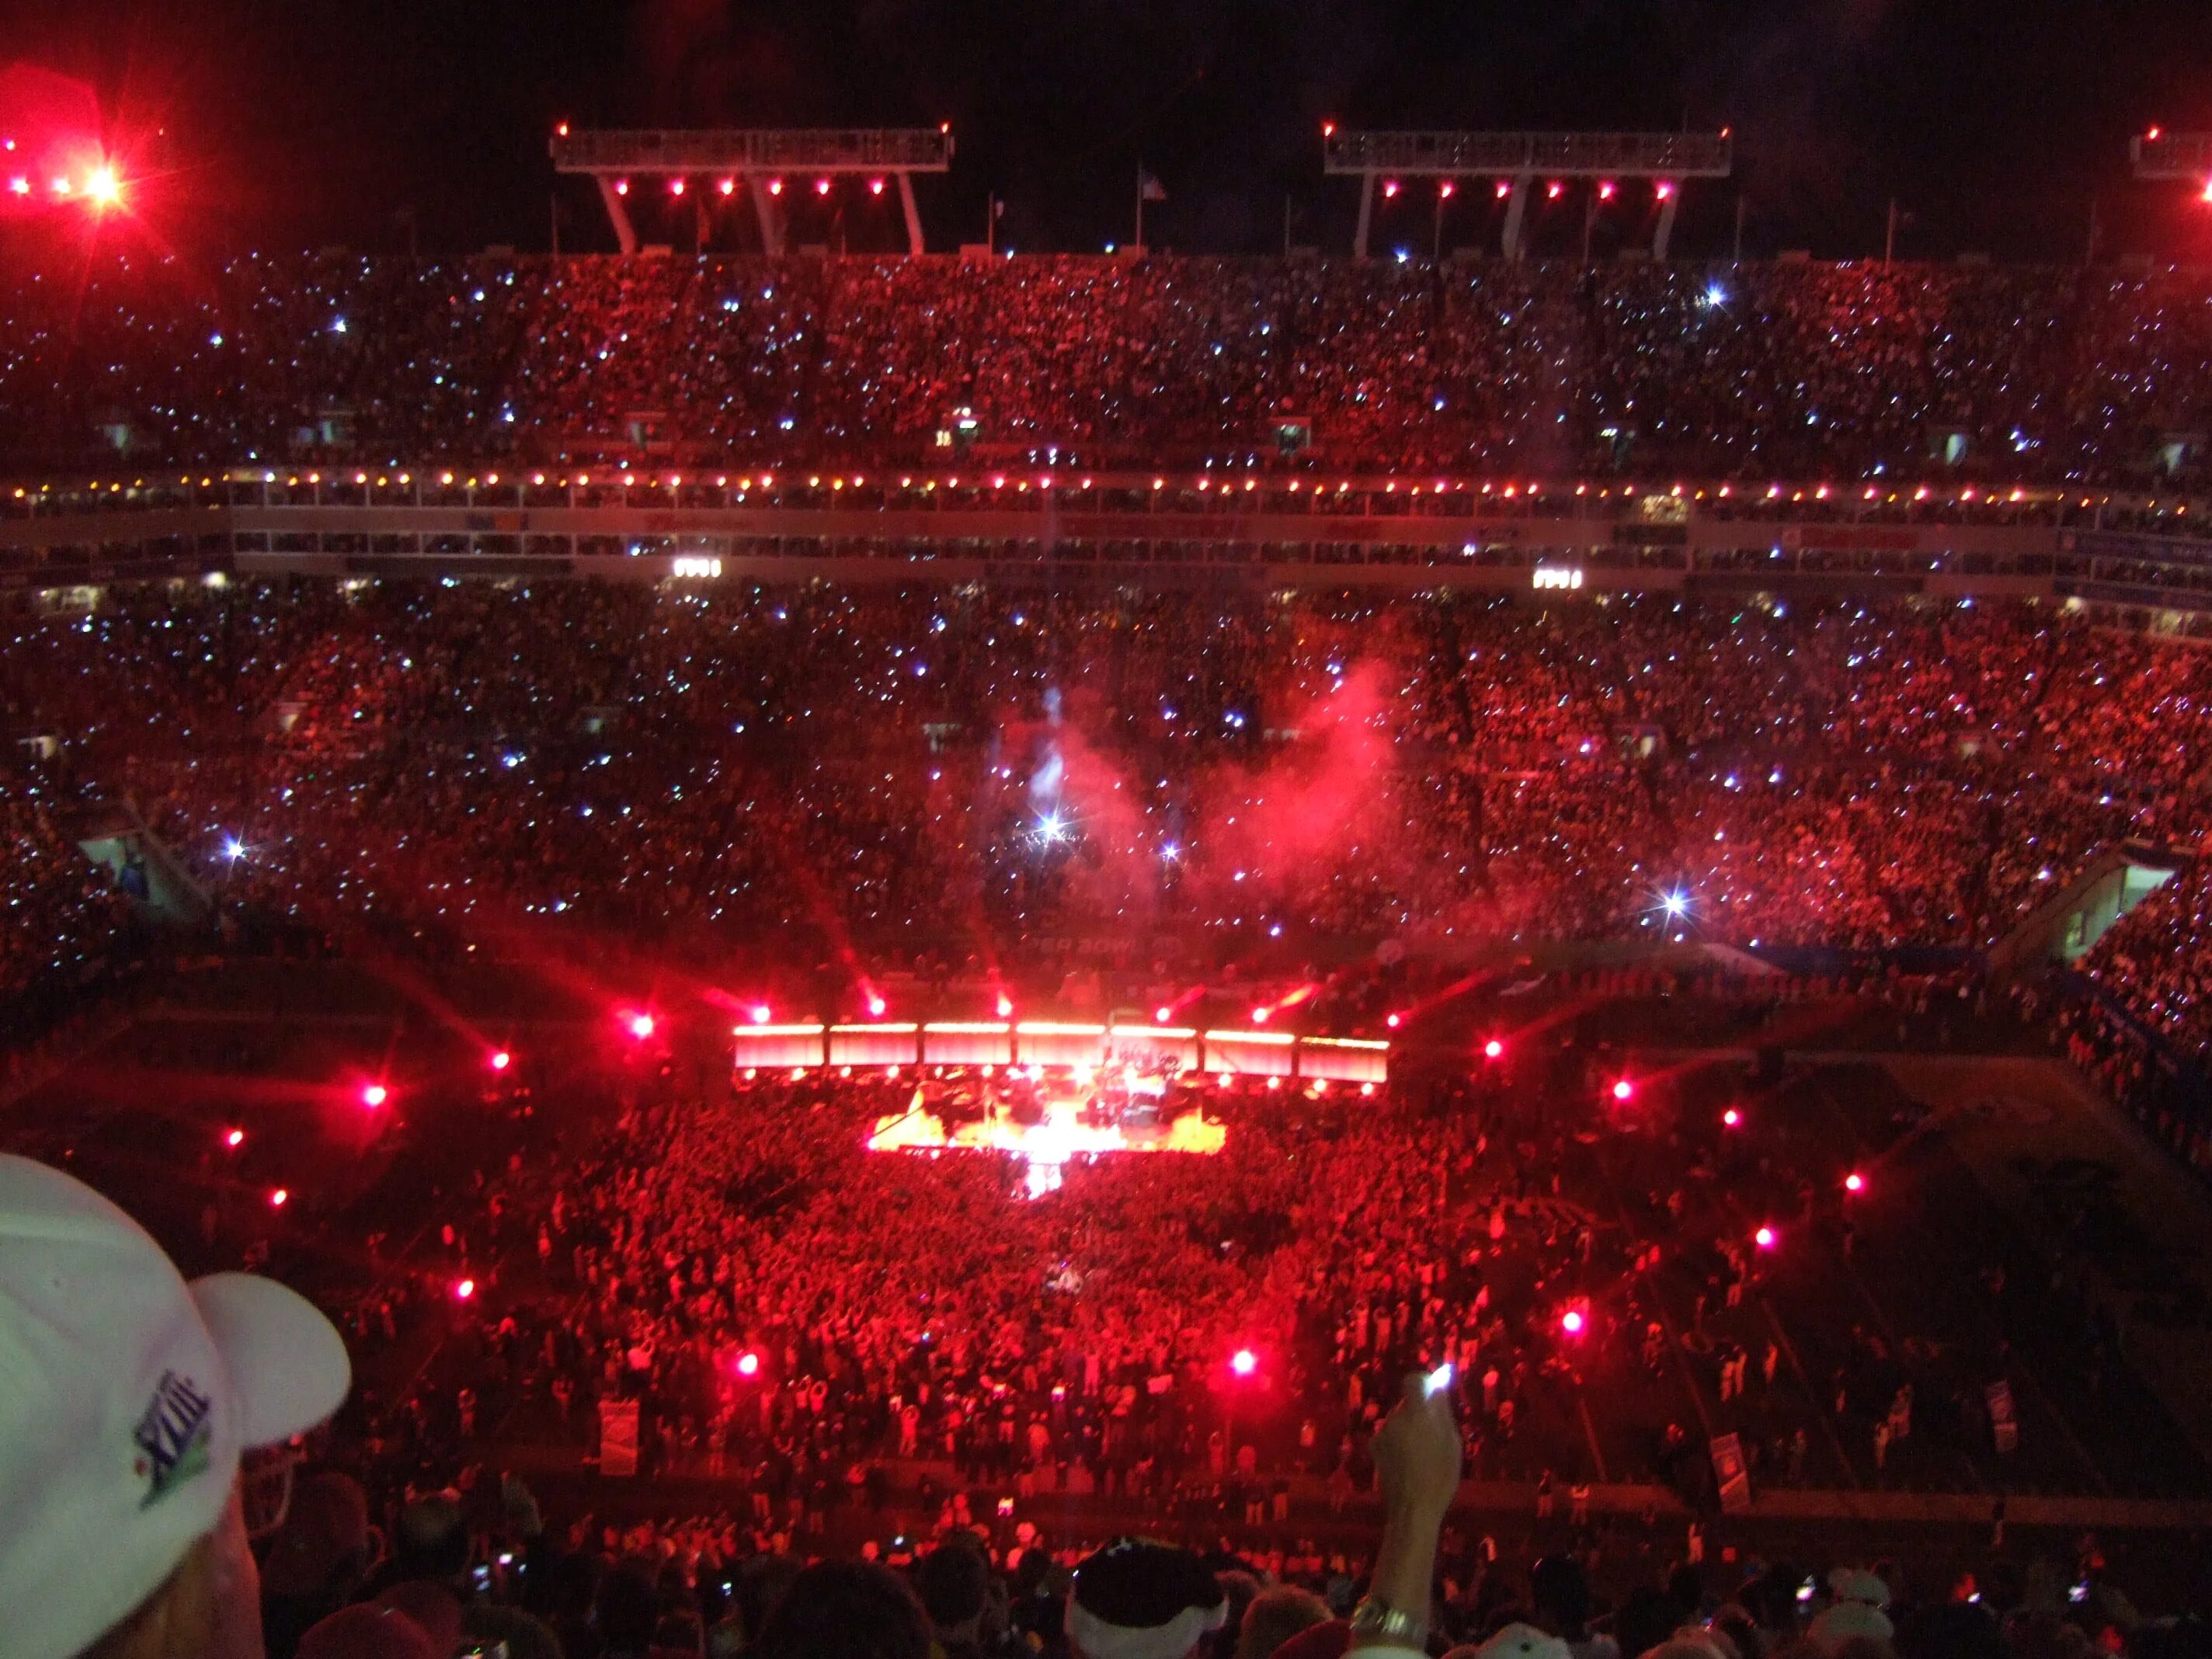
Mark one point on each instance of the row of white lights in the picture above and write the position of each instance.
(1966, 494)
(729, 186)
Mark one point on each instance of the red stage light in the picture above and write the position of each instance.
(747, 1363)
(1553, 190)
(1605, 190)
(1855, 1183)
(621, 186)
(1394, 1020)
(1260, 1016)
(374, 1095)
(1624, 1090)
(728, 187)
(1446, 190)
(675, 186)
(278, 1198)
(1764, 1238)
(1328, 129)
(1389, 188)
(876, 1006)
(875, 186)
(821, 186)
(1244, 1362)
(760, 1013)
(776, 186)
(1162, 1016)
(1005, 1007)
(502, 1059)
(234, 1139)
(463, 1289)
(640, 1026)
(1664, 189)
(102, 185)
(1493, 1049)
(1505, 188)
(1571, 1322)
(1732, 1118)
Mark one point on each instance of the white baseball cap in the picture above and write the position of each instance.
(126, 1396)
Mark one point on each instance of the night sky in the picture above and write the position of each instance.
(1993, 121)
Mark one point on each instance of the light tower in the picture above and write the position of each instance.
(1516, 161)
(2160, 156)
(718, 161)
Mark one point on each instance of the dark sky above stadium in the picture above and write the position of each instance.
(1992, 121)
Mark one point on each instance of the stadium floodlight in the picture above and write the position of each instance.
(2160, 156)
(1515, 160)
(610, 158)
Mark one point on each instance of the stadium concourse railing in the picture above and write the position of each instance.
(1403, 533)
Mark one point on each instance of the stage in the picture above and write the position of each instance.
(1048, 1122)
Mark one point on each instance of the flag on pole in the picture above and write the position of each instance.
(1149, 188)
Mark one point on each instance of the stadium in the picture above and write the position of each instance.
(868, 920)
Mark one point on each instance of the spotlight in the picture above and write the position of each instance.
(1855, 1183)
(1624, 1090)
(1764, 1238)
(1244, 1362)
(1493, 1049)
(747, 1363)
(374, 1095)
(501, 1059)
(642, 1026)
(463, 1289)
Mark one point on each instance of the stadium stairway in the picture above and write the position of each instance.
(140, 863)
(2105, 891)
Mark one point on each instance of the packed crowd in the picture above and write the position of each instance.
(261, 1540)
(1787, 369)
(696, 1588)
(933, 782)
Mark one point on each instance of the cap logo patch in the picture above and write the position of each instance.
(172, 1436)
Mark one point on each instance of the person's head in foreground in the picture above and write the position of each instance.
(126, 1398)
(846, 1610)
(1135, 1599)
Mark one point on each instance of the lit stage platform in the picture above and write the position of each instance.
(1049, 1092)
(1055, 1121)
(1062, 1046)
